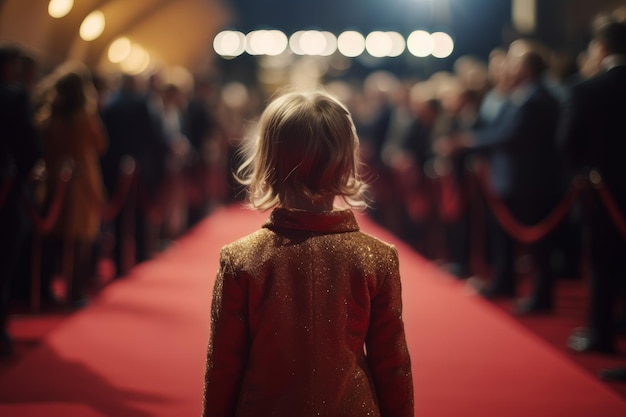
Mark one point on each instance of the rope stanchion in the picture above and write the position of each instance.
(46, 223)
(609, 202)
(122, 190)
(518, 231)
(449, 197)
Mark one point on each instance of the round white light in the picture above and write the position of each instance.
(443, 45)
(351, 43)
(420, 43)
(137, 60)
(294, 42)
(313, 42)
(398, 44)
(119, 50)
(378, 44)
(275, 42)
(331, 44)
(229, 43)
(59, 8)
(255, 42)
(93, 26)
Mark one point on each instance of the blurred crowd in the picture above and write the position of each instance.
(510, 168)
(99, 174)
(475, 168)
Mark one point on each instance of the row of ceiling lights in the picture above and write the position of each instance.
(130, 56)
(379, 44)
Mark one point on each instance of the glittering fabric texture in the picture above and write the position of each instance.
(306, 320)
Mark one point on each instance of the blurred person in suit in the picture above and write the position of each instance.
(136, 130)
(20, 148)
(524, 173)
(592, 136)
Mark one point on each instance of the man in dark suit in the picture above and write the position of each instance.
(134, 129)
(593, 136)
(520, 148)
(19, 150)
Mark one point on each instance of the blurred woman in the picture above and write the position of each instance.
(72, 130)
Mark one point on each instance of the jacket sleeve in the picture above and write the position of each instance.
(387, 351)
(227, 353)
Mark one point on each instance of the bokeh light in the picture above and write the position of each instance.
(93, 26)
(443, 45)
(398, 44)
(351, 43)
(378, 44)
(119, 50)
(313, 42)
(229, 43)
(137, 60)
(331, 44)
(420, 43)
(60, 8)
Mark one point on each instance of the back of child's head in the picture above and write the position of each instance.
(306, 147)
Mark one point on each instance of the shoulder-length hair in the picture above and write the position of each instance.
(305, 146)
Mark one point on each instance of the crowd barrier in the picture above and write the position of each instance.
(43, 224)
(532, 233)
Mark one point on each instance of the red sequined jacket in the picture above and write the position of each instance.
(306, 321)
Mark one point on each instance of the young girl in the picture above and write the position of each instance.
(306, 313)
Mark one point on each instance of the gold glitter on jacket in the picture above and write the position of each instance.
(306, 320)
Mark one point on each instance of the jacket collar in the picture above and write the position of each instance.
(336, 221)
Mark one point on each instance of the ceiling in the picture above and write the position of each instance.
(174, 32)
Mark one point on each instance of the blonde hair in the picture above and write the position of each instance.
(306, 146)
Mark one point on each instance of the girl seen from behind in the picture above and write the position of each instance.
(306, 318)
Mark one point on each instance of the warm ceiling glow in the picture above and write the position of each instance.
(351, 43)
(137, 60)
(443, 45)
(59, 8)
(119, 50)
(420, 43)
(93, 26)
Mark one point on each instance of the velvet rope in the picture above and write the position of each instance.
(518, 231)
(450, 199)
(122, 190)
(4, 191)
(45, 224)
(609, 202)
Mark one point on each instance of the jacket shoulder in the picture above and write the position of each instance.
(249, 247)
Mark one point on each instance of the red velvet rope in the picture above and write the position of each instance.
(450, 199)
(45, 224)
(122, 190)
(609, 202)
(518, 231)
(4, 191)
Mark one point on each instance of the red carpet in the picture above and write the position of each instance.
(139, 349)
